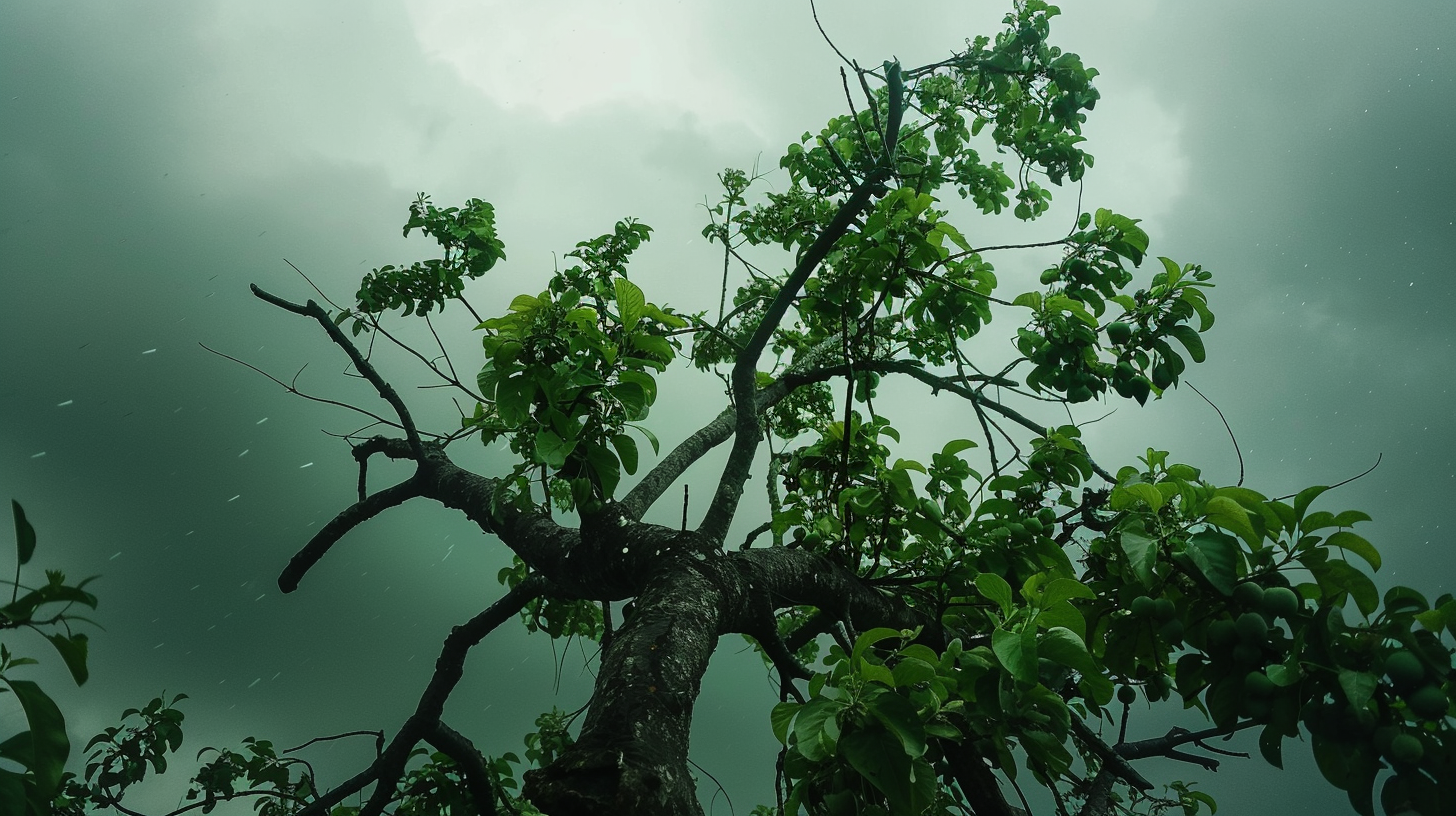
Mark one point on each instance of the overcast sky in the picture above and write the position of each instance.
(156, 158)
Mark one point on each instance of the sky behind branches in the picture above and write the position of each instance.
(156, 158)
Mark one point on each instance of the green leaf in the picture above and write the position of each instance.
(1216, 556)
(995, 588)
(877, 755)
(780, 718)
(1359, 687)
(12, 793)
(627, 451)
(24, 533)
(1064, 589)
(552, 449)
(73, 651)
(1190, 340)
(816, 729)
(869, 639)
(900, 718)
(1062, 646)
(1017, 653)
(1335, 577)
(630, 301)
(651, 437)
(1141, 552)
(49, 746)
(1350, 542)
(1307, 495)
(1230, 515)
(605, 465)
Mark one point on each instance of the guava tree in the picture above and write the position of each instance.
(951, 626)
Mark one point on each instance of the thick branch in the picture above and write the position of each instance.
(356, 514)
(472, 765)
(631, 757)
(745, 367)
(1113, 760)
(387, 769)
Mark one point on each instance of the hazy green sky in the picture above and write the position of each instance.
(155, 158)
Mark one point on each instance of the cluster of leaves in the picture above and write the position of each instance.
(281, 785)
(470, 248)
(569, 370)
(41, 750)
(557, 617)
(1240, 604)
(1063, 338)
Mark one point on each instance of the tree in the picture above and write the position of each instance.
(981, 616)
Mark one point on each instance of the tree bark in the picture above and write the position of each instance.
(632, 755)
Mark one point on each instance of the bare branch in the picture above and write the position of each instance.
(362, 365)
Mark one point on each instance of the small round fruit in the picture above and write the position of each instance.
(1050, 276)
(1172, 631)
(1222, 634)
(1281, 602)
(1428, 702)
(1046, 515)
(1407, 748)
(1384, 736)
(1119, 333)
(1247, 654)
(1252, 628)
(1258, 685)
(1163, 609)
(1126, 695)
(1249, 594)
(1162, 377)
(1142, 606)
(1405, 670)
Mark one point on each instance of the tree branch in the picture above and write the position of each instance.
(387, 769)
(361, 364)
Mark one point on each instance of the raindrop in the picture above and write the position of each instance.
(261, 421)
(275, 677)
(244, 453)
(198, 586)
(255, 682)
(149, 351)
(301, 467)
(235, 498)
(158, 646)
(114, 557)
(64, 404)
(260, 597)
(37, 455)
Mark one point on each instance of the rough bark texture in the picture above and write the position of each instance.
(631, 757)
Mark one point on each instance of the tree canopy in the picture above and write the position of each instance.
(951, 629)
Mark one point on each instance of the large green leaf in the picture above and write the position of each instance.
(24, 533)
(630, 302)
(878, 756)
(1350, 542)
(1141, 552)
(781, 717)
(995, 588)
(49, 745)
(552, 449)
(1217, 557)
(73, 651)
(816, 728)
(12, 794)
(1062, 646)
(1017, 653)
(899, 717)
(1230, 515)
